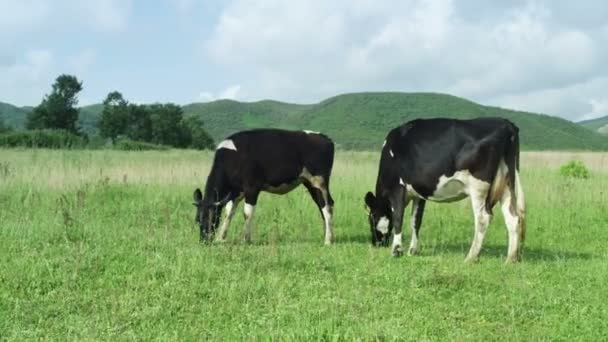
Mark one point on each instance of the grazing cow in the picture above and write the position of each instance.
(445, 160)
(271, 160)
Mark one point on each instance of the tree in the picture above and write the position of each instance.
(199, 138)
(3, 127)
(167, 127)
(140, 123)
(58, 109)
(115, 117)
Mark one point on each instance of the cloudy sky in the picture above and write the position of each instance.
(540, 56)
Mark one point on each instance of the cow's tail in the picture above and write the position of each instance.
(517, 205)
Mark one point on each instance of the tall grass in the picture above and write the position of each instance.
(102, 245)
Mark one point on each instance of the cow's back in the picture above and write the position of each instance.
(276, 155)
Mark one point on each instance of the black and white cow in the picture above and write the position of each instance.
(445, 160)
(271, 160)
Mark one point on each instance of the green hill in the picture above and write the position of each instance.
(599, 125)
(361, 120)
(13, 116)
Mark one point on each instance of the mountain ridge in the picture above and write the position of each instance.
(361, 120)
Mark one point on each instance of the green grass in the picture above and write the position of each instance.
(101, 245)
(360, 121)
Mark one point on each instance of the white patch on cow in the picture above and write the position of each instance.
(391, 153)
(384, 143)
(411, 192)
(227, 144)
(453, 188)
(397, 240)
(401, 182)
(382, 225)
(311, 132)
(500, 182)
(316, 181)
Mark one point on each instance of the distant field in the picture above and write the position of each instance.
(101, 245)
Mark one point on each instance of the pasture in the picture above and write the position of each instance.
(102, 245)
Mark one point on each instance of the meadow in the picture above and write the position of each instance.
(101, 245)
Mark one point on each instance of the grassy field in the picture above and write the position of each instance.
(102, 245)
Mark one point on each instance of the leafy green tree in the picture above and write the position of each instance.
(140, 123)
(199, 138)
(167, 127)
(58, 109)
(115, 117)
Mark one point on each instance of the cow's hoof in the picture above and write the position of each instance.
(328, 243)
(512, 260)
(471, 260)
(397, 251)
(412, 251)
(219, 240)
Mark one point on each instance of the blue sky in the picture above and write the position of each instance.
(541, 56)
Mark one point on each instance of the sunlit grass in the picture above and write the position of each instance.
(102, 245)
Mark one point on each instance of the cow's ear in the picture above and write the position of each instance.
(198, 197)
(370, 200)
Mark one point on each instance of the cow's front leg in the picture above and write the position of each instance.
(251, 199)
(230, 210)
(398, 204)
(416, 221)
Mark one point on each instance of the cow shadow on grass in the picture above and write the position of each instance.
(530, 254)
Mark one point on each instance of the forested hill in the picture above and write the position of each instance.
(599, 125)
(361, 121)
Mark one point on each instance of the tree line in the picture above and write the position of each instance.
(158, 124)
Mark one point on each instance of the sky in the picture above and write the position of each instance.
(539, 56)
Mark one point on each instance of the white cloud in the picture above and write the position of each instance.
(81, 62)
(230, 93)
(29, 16)
(23, 15)
(576, 102)
(27, 68)
(30, 74)
(103, 15)
(306, 50)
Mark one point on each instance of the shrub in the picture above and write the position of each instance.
(45, 138)
(125, 144)
(574, 169)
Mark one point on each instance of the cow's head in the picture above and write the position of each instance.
(208, 213)
(380, 219)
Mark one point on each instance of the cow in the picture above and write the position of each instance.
(446, 160)
(270, 160)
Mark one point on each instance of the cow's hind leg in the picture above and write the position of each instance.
(514, 223)
(324, 202)
(483, 216)
(230, 210)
